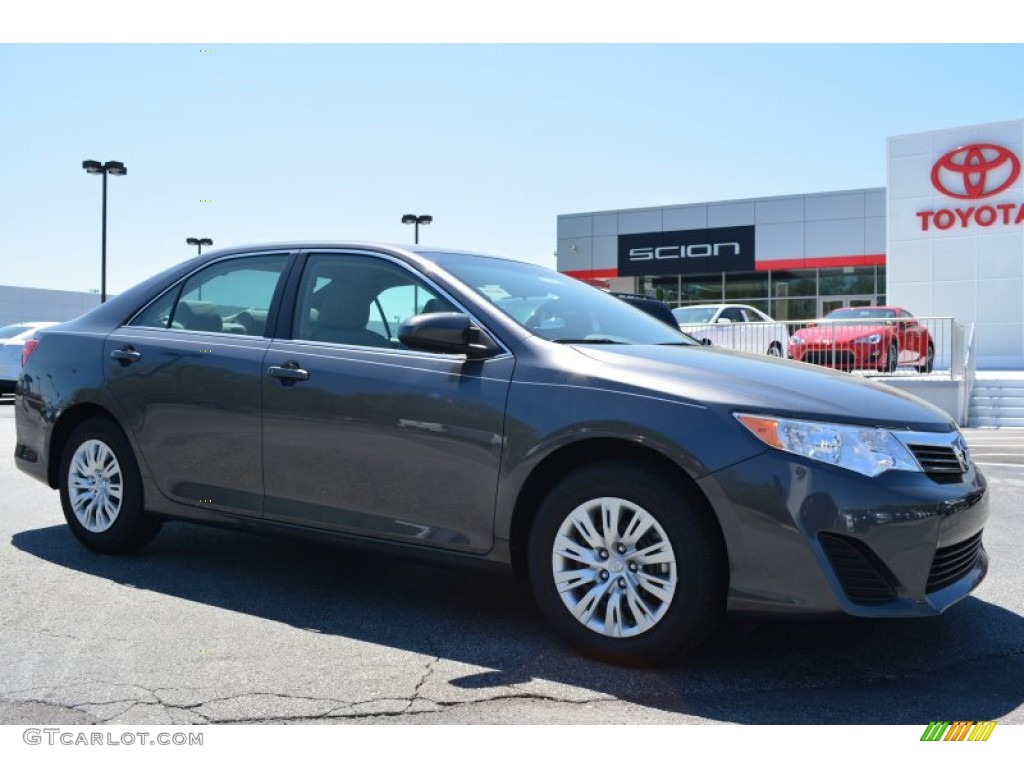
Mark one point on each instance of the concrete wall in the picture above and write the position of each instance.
(40, 305)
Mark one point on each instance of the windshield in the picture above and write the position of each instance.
(554, 306)
(862, 313)
(686, 315)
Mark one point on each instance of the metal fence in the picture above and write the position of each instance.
(921, 346)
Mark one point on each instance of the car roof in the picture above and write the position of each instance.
(303, 245)
(714, 306)
(872, 306)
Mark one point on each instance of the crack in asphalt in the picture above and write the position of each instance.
(426, 674)
(340, 709)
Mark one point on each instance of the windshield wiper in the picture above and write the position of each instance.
(587, 341)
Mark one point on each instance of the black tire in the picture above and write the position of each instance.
(775, 350)
(929, 360)
(892, 358)
(120, 525)
(696, 599)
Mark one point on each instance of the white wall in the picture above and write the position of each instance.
(40, 305)
(972, 272)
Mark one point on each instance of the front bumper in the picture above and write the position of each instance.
(847, 357)
(805, 537)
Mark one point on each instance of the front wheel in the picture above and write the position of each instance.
(624, 565)
(101, 490)
(891, 359)
(775, 350)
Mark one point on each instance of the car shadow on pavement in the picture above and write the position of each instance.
(964, 665)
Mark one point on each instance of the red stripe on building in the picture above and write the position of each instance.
(869, 260)
(592, 274)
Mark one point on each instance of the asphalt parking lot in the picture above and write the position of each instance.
(209, 626)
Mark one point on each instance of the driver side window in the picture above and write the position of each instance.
(360, 300)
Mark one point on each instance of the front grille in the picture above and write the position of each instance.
(953, 563)
(838, 359)
(862, 575)
(940, 462)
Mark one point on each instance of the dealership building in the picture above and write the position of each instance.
(943, 238)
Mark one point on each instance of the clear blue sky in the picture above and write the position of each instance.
(338, 141)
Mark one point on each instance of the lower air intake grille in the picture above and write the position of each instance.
(953, 563)
(863, 577)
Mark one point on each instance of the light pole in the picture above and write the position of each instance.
(199, 241)
(412, 218)
(115, 168)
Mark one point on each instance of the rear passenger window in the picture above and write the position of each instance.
(231, 296)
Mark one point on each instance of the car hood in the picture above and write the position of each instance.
(841, 332)
(740, 381)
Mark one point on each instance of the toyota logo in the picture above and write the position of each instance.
(976, 170)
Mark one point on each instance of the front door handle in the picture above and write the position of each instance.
(126, 355)
(289, 372)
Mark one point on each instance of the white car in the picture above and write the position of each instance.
(734, 326)
(12, 342)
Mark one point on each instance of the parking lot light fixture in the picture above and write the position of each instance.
(412, 218)
(199, 242)
(109, 168)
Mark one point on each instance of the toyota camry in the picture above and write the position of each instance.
(475, 411)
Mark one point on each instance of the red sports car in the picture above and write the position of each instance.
(878, 338)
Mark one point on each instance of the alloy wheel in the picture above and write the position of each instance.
(95, 486)
(614, 567)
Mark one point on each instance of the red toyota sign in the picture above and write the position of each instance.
(975, 171)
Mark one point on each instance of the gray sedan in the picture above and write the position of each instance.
(481, 412)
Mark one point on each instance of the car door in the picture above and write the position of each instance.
(186, 375)
(365, 436)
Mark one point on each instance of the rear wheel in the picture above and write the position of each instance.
(891, 359)
(775, 350)
(101, 490)
(929, 360)
(624, 565)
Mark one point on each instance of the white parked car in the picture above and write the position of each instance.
(734, 326)
(12, 342)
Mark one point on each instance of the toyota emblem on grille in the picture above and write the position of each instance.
(960, 451)
(975, 171)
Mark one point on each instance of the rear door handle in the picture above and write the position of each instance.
(288, 372)
(126, 355)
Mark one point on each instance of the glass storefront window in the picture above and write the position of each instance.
(795, 282)
(665, 289)
(793, 295)
(707, 289)
(846, 280)
(752, 285)
(794, 309)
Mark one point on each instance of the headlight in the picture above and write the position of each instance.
(797, 340)
(866, 450)
(874, 338)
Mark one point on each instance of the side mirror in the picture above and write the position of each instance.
(451, 332)
(725, 320)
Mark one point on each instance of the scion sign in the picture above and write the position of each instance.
(688, 251)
